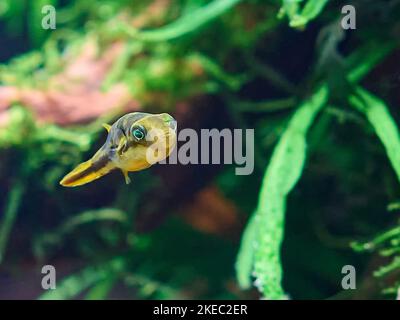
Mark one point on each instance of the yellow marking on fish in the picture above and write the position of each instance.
(85, 173)
(135, 142)
(106, 126)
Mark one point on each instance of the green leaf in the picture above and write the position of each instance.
(310, 11)
(104, 214)
(58, 235)
(10, 214)
(283, 172)
(268, 219)
(244, 262)
(75, 284)
(385, 127)
(290, 8)
(363, 60)
(297, 18)
(101, 290)
(189, 22)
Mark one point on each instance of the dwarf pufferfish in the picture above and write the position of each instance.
(135, 142)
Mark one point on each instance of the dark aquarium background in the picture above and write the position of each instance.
(324, 104)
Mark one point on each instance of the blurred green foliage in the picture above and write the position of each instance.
(327, 148)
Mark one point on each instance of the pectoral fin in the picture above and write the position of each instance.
(87, 171)
(126, 176)
(106, 126)
(122, 145)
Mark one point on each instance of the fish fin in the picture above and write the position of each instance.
(86, 172)
(106, 126)
(126, 176)
(122, 145)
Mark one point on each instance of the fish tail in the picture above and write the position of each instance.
(88, 171)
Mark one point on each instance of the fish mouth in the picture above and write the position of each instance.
(173, 124)
(169, 121)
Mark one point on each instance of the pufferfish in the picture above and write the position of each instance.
(135, 142)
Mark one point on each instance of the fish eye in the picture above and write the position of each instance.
(138, 132)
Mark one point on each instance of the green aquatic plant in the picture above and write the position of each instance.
(300, 14)
(283, 171)
(274, 66)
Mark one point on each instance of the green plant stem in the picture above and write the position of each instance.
(282, 174)
(379, 117)
(10, 214)
(185, 24)
(267, 226)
